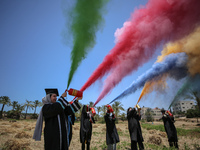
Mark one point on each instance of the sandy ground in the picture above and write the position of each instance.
(18, 135)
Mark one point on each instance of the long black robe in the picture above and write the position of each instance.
(72, 118)
(111, 131)
(170, 128)
(86, 126)
(134, 126)
(55, 131)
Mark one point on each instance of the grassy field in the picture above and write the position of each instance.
(18, 135)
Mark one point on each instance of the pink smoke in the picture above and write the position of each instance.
(158, 22)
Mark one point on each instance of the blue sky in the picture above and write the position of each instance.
(33, 55)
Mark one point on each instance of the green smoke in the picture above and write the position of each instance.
(191, 83)
(86, 21)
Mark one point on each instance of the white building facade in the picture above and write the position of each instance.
(183, 106)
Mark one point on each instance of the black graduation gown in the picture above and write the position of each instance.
(134, 126)
(111, 131)
(170, 128)
(70, 124)
(85, 126)
(55, 131)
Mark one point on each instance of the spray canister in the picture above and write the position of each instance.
(109, 108)
(93, 111)
(74, 92)
(169, 113)
(138, 107)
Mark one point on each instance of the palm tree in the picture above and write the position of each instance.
(5, 100)
(18, 110)
(36, 104)
(28, 105)
(98, 109)
(14, 104)
(194, 95)
(91, 104)
(123, 116)
(103, 109)
(117, 106)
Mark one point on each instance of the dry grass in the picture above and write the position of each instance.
(18, 135)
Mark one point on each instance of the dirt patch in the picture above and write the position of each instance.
(22, 135)
(16, 125)
(9, 130)
(119, 129)
(95, 126)
(155, 140)
(13, 144)
(162, 134)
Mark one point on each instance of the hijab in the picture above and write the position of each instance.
(38, 128)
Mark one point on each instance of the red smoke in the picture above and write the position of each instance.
(158, 22)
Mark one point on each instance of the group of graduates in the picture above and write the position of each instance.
(59, 116)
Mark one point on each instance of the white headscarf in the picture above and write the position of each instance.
(38, 128)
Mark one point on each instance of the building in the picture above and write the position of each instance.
(183, 106)
(156, 112)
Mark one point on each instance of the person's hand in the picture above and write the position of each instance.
(64, 94)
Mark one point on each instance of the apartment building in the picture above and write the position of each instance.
(183, 106)
(156, 112)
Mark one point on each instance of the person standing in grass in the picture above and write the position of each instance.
(55, 113)
(134, 128)
(170, 129)
(87, 119)
(112, 137)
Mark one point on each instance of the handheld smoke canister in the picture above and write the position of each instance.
(109, 108)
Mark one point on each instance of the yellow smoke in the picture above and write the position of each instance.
(191, 46)
(158, 84)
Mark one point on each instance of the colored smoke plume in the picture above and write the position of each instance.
(156, 23)
(86, 21)
(172, 63)
(149, 86)
(191, 46)
(192, 84)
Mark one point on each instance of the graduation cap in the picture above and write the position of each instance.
(162, 110)
(52, 91)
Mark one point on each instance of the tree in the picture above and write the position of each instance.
(18, 110)
(14, 104)
(149, 115)
(36, 104)
(28, 105)
(5, 100)
(103, 109)
(98, 110)
(194, 95)
(117, 106)
(91, 104)
(123, 116)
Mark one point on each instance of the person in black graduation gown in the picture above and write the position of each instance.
(170, 129)
(111, 131)
(55, 114)
(71, 120)
(134, 128)
(86, 126)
